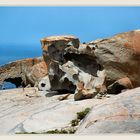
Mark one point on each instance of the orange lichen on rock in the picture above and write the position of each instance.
(29, 71)
(53, 46)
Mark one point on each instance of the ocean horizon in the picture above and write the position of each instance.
(10, 53)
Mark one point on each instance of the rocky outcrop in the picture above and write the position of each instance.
(94, 68)
(28, 110)
(98, 67)
(24, 72)
(119, 56)
(71, 67)
(119, 114)
(57, 115)
(53, 54)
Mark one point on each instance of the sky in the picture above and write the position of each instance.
(21, 28)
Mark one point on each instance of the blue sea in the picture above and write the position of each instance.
(9, 53)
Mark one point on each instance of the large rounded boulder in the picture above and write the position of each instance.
(120, 56)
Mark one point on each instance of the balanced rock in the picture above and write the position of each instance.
(53, 53)
(71, 67)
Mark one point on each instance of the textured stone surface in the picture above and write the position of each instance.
(24, 72)
(56, 116)
(119, 56)
(88, 70)
(17, 105)
(119, 114)
(53, 53)
(53, 47)
(29, 109)
(44, 84)
(101, 66)
(71, 66)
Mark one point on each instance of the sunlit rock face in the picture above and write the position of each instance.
(72, 67)
(24, 72)
(53, 47)
(119, 114)
(53, 53)
(90, 70)
(120, 57)
(104, 65)
(98, 67)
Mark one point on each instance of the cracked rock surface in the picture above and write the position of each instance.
(29, 110)
(119, 114)
(24, 72)
(70, 77)
(103, 66)
(75, 67)
(71, 67)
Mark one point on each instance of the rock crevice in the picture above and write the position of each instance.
(98, 67)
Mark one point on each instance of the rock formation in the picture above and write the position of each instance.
(119, 56)
(105, 65)
(25, 111)
(119, 114)
(76, 71)
(71, 67)
(24, 72)
(68, 66)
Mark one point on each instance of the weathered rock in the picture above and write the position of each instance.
(70, 66)
(119, 114)
(24, 72)
(101, 66)
(120, 57)
(53, 47)
(119, 86)
(73, 67)
(65, 97)
(53, 53)
(56, 115)
(17, 105)
(85, 83)
(44, 84)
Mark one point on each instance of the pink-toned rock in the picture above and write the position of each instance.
(24, 72)
(120, 57)
(119, 114)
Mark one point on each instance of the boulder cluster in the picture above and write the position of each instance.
(69, 71)
(98, 67)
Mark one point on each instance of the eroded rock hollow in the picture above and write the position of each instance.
(72, 67)
(98, 67)
(27, 72)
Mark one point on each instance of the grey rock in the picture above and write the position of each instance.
(119, 114)
(28, 110)
(71, 67)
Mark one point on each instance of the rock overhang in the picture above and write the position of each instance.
(117, 57)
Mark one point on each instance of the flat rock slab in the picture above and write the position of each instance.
(27, 111)
(119, 114)
(17, 105)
